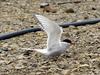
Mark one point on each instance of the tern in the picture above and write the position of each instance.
(55, 46)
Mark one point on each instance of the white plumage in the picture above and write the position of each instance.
(54, 31)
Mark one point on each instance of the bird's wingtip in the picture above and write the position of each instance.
(34, 14)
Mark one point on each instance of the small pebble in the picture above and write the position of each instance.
(3, 49)
(77, 1)
(5, 45)
(47, 8)
(42, 5)
(33, 65)
(93, 8)
(69, 10)
(66, 72)
(27, 53)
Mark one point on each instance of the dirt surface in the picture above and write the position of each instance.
(83, 58)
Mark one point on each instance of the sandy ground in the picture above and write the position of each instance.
(83, 58)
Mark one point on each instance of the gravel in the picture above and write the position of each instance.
(83, 58)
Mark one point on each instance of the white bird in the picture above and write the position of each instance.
(54, 31)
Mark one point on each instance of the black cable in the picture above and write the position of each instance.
(21, 32)
(18, 33)
(81, 23)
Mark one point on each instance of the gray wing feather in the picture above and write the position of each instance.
(52, 29)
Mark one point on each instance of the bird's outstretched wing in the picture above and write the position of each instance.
(52, 29)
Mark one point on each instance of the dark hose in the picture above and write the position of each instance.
(21, 32)
(81, 23)
(17, 33)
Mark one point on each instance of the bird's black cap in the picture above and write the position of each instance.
(67, 40)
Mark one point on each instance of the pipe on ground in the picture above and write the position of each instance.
(64, 25)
